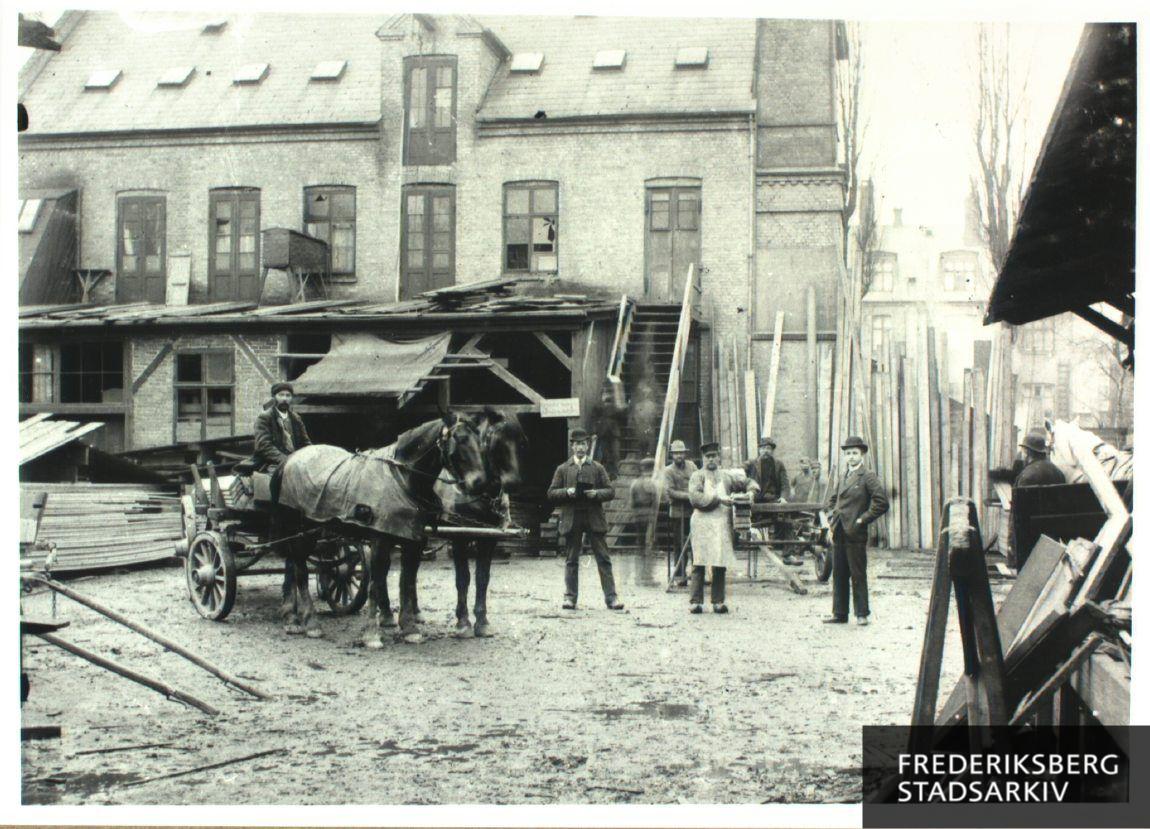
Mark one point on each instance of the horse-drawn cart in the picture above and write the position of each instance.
(227, 529)
(800, 528)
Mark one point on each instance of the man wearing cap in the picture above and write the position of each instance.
(278, 431)
(676, 483)
(580, 487)
(803, 486)
(769, 473)
(857, 500)
(1037, 469)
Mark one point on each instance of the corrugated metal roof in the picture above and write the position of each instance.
(144, 46)
(649, 83)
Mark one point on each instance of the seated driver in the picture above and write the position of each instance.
(278, 431)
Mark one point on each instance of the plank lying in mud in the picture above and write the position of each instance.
(209, 767)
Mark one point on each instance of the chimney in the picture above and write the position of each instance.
(898, 217)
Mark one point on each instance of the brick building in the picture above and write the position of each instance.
(428, 152)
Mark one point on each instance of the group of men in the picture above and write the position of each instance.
(699, 505)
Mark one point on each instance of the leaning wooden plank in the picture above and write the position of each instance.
(1054, 601)
(1035, 699)
(933, 640)
(174, 647)
(750, 406)
(912, 457)
(773, 376)
(148, 682)
(1111, 539)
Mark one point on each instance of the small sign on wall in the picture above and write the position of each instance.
(560, 407)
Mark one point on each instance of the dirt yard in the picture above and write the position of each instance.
(651, 705)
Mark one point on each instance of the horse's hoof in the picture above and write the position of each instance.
(314, 633)
(483, 630)
(463, 630)
(293, 630)
(419, 620)
(388, 621)
(414, 638)
(373, 643)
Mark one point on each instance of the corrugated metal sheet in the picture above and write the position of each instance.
(362, 365)
(649, 84)
(146, 46)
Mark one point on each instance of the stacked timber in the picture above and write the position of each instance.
(96, 526)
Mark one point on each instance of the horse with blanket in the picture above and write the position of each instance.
(383, 495)
(503, 445)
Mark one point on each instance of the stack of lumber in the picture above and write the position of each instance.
(96, 526)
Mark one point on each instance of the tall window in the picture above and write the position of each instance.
(234, 255)
(883, 269)
(429, 111)
(37, 376)
(428, 238)
(1037, 337)
(141, 249)
(531, 227)
(1038, 400)
(879, 334)
(204, 384)
(959, 269)
(329, 214)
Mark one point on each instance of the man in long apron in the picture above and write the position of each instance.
(712, 537)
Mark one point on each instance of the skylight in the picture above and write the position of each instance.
(328, 70)
(691, 56)
(103, 79)
(252, 73)
(609, 59)
(527, 62)
(29, 210)
(214, 27)
(176, 76)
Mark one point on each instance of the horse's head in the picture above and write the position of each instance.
(504, 445)
(461, 449)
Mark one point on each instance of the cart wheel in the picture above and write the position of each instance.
(342, 581)
(823, 562)
(211, 576)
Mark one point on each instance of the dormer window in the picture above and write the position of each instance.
(328, 70)
(103, 79)
(253, 73)
(884, 266)
(691, 57)
(177, 76)
(429, 111)
(609, 59)
(526, 62)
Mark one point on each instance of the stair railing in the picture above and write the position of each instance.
(692, 292)
(615, 361)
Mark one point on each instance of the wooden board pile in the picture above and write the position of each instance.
(96, 526)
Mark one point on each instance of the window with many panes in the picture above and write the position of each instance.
(329, 214)
(141, 249)
(36, 372)
(1037, 400)
(234, 242)
(429, 111)
(879, 335)
(884, 267)
(428, 238)
(205, 392)
(531, 227)
(1037, 337)
(959, 269)
(92, 372)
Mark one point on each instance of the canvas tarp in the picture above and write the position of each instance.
(364, 365)
(327, 483)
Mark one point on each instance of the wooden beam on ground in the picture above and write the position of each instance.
(553, 347)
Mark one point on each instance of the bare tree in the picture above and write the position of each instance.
(866, 232)
(848, 89)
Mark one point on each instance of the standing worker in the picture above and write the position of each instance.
(676, 483)
(856, 501)
(580, 487)
(712, 491)
(1037, 469)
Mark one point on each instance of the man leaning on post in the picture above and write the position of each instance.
(855, 501)
(580, 487)
(676, 482)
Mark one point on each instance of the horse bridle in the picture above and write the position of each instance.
(446, 439)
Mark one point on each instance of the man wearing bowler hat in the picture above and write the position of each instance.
(676, 481)
(856, 501)
(769, 473)
(278, 431)
(580, 487)
(1038, 470)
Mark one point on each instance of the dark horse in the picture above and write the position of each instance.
(503, 446)
(502, 441)
(387, 497)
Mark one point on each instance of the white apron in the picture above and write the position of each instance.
(712, 539)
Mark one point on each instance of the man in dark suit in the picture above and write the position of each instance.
(278, 431)
(769, 473)
(1038, 470)
(581, 487)
(856, 501)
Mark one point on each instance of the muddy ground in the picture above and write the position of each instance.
(651, 705)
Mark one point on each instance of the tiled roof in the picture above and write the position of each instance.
(648, 84)
(145, 46)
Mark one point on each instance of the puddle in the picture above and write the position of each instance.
(659, 710)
